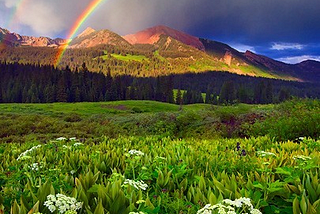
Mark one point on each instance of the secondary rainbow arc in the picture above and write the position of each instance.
(13, 15)
(81, 19)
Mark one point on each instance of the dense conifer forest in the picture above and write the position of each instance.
(26, 83)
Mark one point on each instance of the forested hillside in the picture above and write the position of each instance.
(45, 84)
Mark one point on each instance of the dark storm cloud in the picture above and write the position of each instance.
(246, 20)
(247, 23)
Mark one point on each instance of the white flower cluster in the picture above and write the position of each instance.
(23, 154)
(228, 206)
(136, 184)
(265, 154)
(35, 167)
(66, 139)
(77, 144)
(137, 212)
(136, 152)
(62, 203)
(302, 157)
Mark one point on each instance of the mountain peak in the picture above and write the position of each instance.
(152, 36)
(91, 38)
(86, 32)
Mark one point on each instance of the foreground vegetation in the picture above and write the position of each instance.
(150, 157)
(176, 176)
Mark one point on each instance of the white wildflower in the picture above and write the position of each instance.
(62, 203)
(72, 138)
(66, 147)
(265, 154)
(302, 157)
(61, 139)
(77, 144)
(137, 212)
(136, 184)
(24, 154)
(35, 167)
(255, 211)
(207, 209)
(242, 205)
(136, 152)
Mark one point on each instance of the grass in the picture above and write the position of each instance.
(21, 122)
(127, 57)
(202, 154)
(87, 109)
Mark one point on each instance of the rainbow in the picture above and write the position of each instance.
(11, 18)
(81, 19)
(16, 9)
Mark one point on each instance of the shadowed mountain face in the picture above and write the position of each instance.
(166, 48)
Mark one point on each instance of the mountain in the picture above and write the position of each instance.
(155, 51)
(308, 70)
(153, 35)
(91, 38)
(14, 39)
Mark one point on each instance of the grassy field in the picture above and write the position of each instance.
(150, 157)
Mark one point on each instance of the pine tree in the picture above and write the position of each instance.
(179, 97)
(227, 93)
(62, 95)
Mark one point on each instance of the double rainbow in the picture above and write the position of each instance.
(15, 11)
(81, 19)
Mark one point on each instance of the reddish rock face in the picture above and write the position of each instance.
(152, 36)
(16, 39)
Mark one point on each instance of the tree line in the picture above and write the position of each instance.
(27, 83)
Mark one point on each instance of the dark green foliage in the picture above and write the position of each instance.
(45, 84)
(291, 120)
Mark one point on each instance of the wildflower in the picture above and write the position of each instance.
(61, 139)
(35, 166)
(228, 206)
(66, 147)
(24, 154)
(265, 154)
(207, 209)
(137, 212)
(136, 184)
(62, 203)
(136, 152)
(77, 144)
(73, 139)
(238, 146)
(243, 152)
(302, 157)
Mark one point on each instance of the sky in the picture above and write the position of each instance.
(287, 30)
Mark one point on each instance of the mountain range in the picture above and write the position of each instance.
(159, 50)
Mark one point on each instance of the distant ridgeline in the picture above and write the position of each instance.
(45, 84)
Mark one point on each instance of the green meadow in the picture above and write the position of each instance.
(151, 157)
